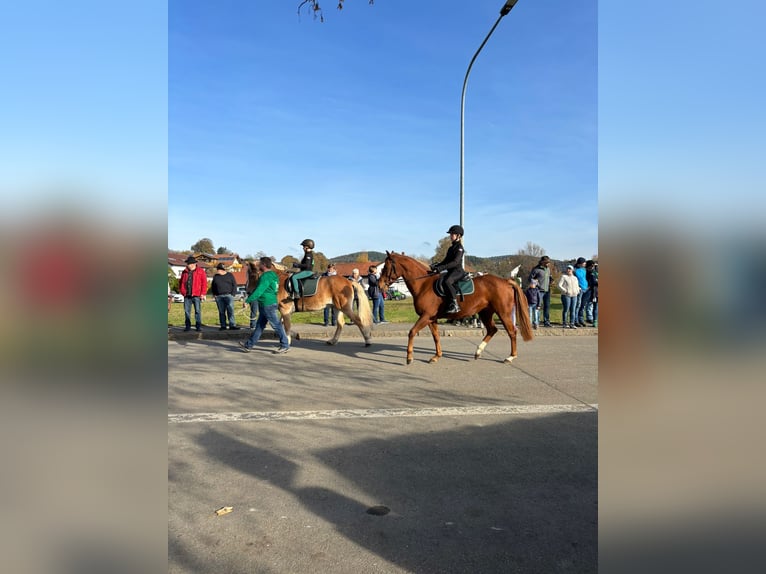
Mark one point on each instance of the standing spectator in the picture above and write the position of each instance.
(579, 272)
(594, 296)
(570, 288)
(532, 294)
(587, 301)
(330, 312)
(373, 289)
(542, 274)
(306, 266)
(224, 288)
(266, 295)
(356, 278)
(252, 283)
(193, 286)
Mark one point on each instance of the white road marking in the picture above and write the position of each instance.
(380, 413)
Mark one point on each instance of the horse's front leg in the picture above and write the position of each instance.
(421, 322)
(285, 311)
(437, 341)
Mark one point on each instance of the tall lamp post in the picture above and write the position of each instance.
(503, 12)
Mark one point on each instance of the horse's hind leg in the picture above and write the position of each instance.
(505, 318)
(486, 316)
(338, 328)
(356, 320)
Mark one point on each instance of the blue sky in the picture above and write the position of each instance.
(348, 131)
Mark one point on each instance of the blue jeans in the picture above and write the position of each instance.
(568, 309)
(534, 314)
(188, 302)
(225, 309)
(327, 310)
(253, 313)
(578, 308)
(378, 314)
(545, 303)
(585, 302)
(268, 313)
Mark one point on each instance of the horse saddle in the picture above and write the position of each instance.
(306, 285)
(463, 286)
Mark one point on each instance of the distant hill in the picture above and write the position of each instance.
(354, 257)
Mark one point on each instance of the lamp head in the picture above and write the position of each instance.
(507, 7)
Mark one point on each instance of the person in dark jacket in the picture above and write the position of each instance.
(453, 264)
(373, 290)
(224, 287)
(532, 294)
(305, 267)
(542, 274)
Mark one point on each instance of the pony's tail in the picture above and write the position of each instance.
(365, 312)
(522, 311)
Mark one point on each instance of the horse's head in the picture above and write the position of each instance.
(389, 273)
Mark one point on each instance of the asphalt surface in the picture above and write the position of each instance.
(480, 466)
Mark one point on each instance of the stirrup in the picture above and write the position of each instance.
(453, 308)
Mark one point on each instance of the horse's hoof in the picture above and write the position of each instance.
(409, 361)
(433, 359)
(508, 360)
(297, 336)
(477, 355)
(367, 344)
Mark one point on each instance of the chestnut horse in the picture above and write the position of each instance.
(333, 290)
(491, 295)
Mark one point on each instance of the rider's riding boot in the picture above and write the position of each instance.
(453, 307)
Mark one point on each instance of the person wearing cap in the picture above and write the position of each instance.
(580, 272)
(542, 274)
(570, 288)
(453, 264)
(193, 286)
(305, 267)
(532, 294)
(224, 288)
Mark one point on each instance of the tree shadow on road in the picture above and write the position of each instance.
(516, 496)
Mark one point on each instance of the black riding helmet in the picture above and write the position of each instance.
(308, 243)
(456, 229)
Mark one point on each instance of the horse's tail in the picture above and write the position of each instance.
(522, 311)
(365, 312)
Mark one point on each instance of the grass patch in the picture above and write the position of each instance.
(395, 311)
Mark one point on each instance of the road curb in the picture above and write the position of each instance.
(319, 332)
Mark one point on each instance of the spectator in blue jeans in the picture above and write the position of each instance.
(570, 289)
(373, 289)
(532, 294)
(582, 297)
(330, 312)
(224, 287)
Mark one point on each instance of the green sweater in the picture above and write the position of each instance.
(266, 290)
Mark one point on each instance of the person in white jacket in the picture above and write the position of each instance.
(570, 288)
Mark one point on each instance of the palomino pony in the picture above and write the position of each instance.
(333, 290)
(491, 295)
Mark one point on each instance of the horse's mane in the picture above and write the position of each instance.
(422, 266)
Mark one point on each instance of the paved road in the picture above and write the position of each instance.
(485, 467)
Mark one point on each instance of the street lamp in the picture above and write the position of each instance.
(503, 12)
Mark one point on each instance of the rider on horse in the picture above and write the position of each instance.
(453, 263)
(306, 266)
